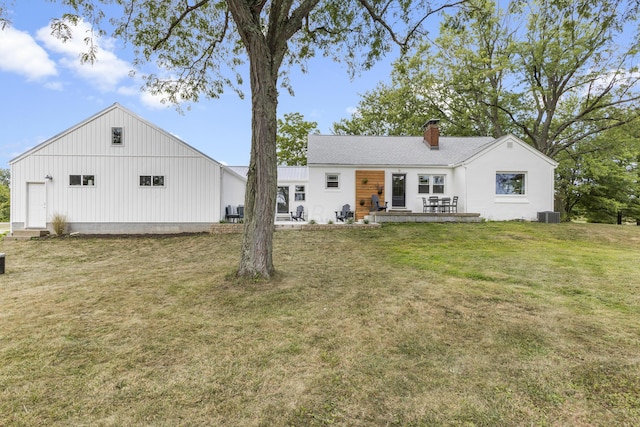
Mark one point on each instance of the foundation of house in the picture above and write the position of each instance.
(406, 216)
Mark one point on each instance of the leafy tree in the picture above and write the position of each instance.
(203, 42)
(292, 138)
(5, 199)
(395, 109)
(5, 177)
(599, 177)
(551, 72)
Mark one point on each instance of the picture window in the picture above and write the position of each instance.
(510, 183)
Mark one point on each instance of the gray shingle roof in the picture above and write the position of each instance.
(391, 150)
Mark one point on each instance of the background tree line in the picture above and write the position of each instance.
(4, 194)
(562, 76)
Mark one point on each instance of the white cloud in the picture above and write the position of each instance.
(105, 73)
(19, 53)
(152, 101)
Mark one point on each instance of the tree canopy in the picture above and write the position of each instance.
(5, 198)
(292, 137)
(199, 46)
(599, 177)
(550, 72)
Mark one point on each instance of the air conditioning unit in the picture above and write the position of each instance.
(549, 217)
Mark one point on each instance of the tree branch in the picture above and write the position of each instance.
(177, 22)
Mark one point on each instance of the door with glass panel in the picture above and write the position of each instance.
(398, 190)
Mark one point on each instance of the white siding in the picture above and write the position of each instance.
(233, 190)
(322, 202)
(191, 193)
(509, 156)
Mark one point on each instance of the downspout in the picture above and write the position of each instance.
(220, 200)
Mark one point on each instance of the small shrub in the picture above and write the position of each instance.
(350, 221)
(366, 221)
(59, 223)
(223, 221)
(330, 221)
(312, 221)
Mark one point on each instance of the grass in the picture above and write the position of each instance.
(486, 324)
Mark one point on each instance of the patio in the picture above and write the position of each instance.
(406, 216)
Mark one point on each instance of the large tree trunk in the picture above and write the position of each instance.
(260, 198)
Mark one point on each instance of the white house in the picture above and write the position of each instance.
(500, 179)
(117, 173)
(292, 189)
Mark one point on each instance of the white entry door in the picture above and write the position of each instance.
(36, 205)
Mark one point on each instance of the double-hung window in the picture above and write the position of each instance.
(332, 180)
(431, 184)
(300, 193)
(510, 183)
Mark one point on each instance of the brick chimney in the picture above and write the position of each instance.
(432, 134)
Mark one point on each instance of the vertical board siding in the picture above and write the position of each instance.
(189, 194)
(364, 190)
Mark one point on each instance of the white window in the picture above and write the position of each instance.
(510, 183)
(300, 193)
(431, 184)
(82, 180)
(116, 136)
(151, 181)
(332, 180)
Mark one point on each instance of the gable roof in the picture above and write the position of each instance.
(509, 138)
(99, 114)
(404, 150)
(391, 150)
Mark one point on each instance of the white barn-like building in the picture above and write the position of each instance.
(117, 173)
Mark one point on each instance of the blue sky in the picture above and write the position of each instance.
(46, 90)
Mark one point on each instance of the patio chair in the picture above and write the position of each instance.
(445, 204)
(231, 213)
(432, 205)
(241, 212)
(454, 205)
(345, 214)
(375, 204)
(299, 215)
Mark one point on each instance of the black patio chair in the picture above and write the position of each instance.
(445, 205)
(231, 213)
(345, 214)
(299, 215)
(454, 205)
(375, 204)
(434, 202)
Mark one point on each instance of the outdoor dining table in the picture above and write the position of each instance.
(437, 204)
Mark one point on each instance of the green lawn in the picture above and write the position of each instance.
(491, 324)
